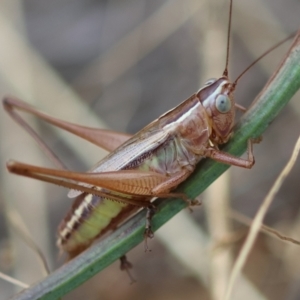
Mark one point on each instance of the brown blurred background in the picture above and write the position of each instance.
(122, 64)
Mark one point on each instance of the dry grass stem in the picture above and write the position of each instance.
(257, 221)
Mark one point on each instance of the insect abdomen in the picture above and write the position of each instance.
(88, 218)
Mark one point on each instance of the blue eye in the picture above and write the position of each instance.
(223, 104)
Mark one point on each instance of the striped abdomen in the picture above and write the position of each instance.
(89, 218)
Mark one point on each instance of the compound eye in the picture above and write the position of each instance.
(210, 81)
(223, 104)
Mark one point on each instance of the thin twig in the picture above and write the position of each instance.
(257, 222)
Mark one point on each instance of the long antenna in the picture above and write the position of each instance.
(263, 55)
(225, 73)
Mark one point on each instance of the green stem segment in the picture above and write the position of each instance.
(278, 91)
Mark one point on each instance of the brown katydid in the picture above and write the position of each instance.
(149, 164)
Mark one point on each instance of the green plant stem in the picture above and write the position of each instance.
(278, 91)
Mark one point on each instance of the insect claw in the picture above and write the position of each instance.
(125, 266)
(256, 140)
(196, 202)
(148, 233)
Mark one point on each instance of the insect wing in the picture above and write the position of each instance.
(127, 154)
